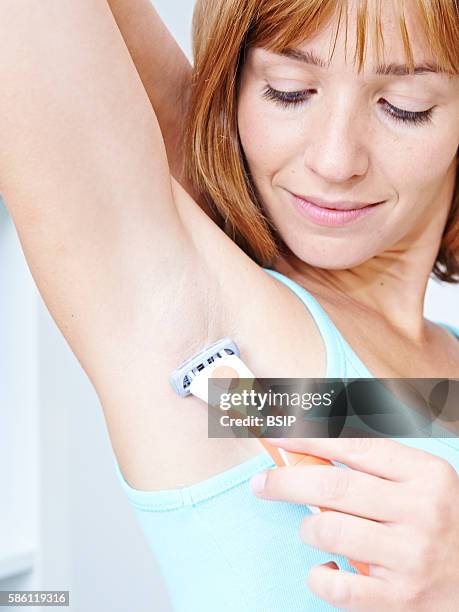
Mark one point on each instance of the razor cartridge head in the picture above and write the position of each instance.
(182, 376)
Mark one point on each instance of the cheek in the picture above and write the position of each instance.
(437, 160)
(267, 142)
(417, 172)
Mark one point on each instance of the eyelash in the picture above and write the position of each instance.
(296, 98)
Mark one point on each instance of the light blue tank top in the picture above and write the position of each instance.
(221, 548)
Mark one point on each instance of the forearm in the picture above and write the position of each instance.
(74, 116)
(163, 68)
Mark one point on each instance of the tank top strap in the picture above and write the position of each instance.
(342, 362)
(336, 362)
(452, 328)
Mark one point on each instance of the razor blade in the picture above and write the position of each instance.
(182, 376)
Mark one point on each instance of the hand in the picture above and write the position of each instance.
(397, 510)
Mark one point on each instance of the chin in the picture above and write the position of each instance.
(332, 261)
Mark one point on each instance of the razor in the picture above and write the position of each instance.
(222, 360)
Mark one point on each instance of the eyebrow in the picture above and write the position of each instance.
(309, 57)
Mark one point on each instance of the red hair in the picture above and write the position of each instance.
(214, 161)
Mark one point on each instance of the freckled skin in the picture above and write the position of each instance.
(342, 144)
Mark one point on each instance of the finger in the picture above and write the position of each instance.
(338, 489)
(331, 564)
(348, 591)
(378, 456)
(355, 538)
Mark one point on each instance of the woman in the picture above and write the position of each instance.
(84, 171)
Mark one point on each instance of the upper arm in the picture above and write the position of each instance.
(133, 272)
(84, 172)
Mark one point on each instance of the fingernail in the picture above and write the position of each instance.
(258, 482)
(332, 565)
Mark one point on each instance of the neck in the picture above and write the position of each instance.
(391, 285)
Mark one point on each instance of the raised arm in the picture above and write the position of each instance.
(124, 259)
(82, 162)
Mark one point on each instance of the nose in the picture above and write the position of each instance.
(336, 149)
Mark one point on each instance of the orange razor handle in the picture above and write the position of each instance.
(302, 459)
(291, 458)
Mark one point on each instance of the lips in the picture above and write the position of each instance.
(335, 205)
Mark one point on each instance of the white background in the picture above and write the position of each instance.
(59, 489)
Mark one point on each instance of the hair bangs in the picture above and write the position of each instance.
(223, 30)
(286, 24)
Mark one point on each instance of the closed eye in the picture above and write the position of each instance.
(293, 99)
(399, 114)
(287, 98)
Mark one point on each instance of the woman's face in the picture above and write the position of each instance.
(351, 138)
